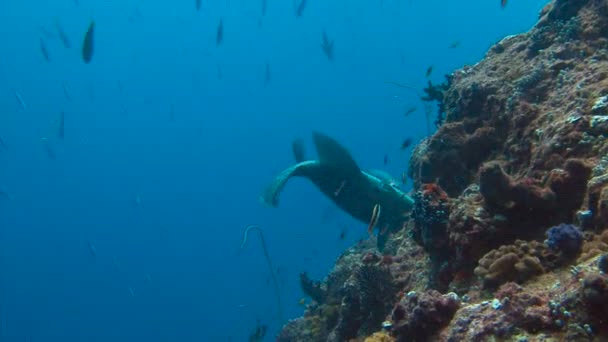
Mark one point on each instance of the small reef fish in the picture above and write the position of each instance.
(61, 129)
(148, 278)
(302, 301)
(44, 50)
(46, 33)
(88, 44)
(339, 189)
(198, 5)
(374, 219)
(406, 143)
(454, 44)
(258, 334)
(5, 194)
(343, 234)
(135, 15)
(401, 85)
(66, 91)
(48, 149)
(300, 6)
(386, 159)
(267, 75)
(219, 37)
(429, 71)
(20, 99)
(503, 3)
(404, 178)
(92, 249)
(132, 291)
(409, 111)
(65, 40)
(328, 46)
(264, 7)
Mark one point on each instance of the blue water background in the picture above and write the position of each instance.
(151, 120)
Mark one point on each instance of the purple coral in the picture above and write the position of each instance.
(566, 238)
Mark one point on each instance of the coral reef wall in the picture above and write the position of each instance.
(507, 237)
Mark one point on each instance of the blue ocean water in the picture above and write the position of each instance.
(129, 227)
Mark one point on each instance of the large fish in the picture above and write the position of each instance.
(359, 191)
(88, 43)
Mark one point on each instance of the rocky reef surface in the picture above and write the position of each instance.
(508, 240)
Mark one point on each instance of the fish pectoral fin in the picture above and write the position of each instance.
(270, 196)
(333, 154)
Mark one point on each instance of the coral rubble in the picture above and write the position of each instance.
(508, 239)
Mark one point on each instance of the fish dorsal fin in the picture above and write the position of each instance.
(298, 150)
(332, 153)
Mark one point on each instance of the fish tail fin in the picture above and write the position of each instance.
(270, 196)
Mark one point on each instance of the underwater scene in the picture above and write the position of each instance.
(304, 170)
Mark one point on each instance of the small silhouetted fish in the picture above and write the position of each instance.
(259, 333)
(137, 201)
(88, 43)
(404, 178)
(327, 46)
(148, 278)
(2, 143)
(429, 71)
(219, 37)
(48, 149)
(406, 143)
(5, 194)
(300, 6)
(92, 249)
(44, 50)
(61, 129)
(77, 3)
(66, 91)
(503, 3)
(454, 44)
(20, 99)
(267, 75)
(410, 110)
(62, 35)
(46, 33)
(198, 5)
(343, 234)
(386, 159)
(132, 291)
(264, 7)
(135, 14)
